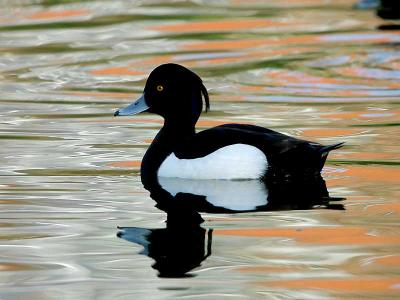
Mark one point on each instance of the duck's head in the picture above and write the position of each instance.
(173, 92)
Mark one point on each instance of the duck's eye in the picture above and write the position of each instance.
(160, 88)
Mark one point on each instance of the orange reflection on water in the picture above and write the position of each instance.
(247, 43)
(135, 68)
(210, 123)
(369, 175)
(15, 267)
(153, 61)
(271, 269)
(301, 77)
(395, 65)
(269, 54)
(316, 235)
(218, 61)
(57, 14)
(366, 155)
(12, 201)
(116, 71)
(370, 75)
(297, 82)
(131, 69)
(389, 208)
(125, 164)
(392, 260)
(284, 41)
(224, 45)
(374, 174)
(329, 132)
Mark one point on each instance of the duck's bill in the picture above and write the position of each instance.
(134, 108)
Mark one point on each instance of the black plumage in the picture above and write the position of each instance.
(176, 93)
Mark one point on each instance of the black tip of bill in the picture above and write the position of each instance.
(116, 113)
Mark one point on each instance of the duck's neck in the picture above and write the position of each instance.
(176, 130)
(170, 135)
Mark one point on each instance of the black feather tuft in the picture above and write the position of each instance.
(205, 95)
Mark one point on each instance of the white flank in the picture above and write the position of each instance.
(238, 161)
(233, 195)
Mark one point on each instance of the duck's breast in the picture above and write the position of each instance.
(237, 161)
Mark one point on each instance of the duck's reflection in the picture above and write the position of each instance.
(184, 244)
(176, 250)
(248, 195)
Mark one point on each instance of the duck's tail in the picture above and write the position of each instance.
(324, 150)
(327, 149)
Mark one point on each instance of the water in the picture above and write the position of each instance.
(69, 171)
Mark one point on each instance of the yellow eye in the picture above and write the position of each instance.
(160, 88)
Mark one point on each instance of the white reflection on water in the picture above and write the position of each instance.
(233, 195)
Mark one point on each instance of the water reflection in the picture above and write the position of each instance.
(176, 249)
(183, 245)
(227, 196)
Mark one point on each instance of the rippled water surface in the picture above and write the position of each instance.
(69, 171)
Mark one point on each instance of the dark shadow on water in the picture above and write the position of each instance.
(184, 244)
(389, 27)
(176, 250)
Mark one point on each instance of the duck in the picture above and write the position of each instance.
(226, 152)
